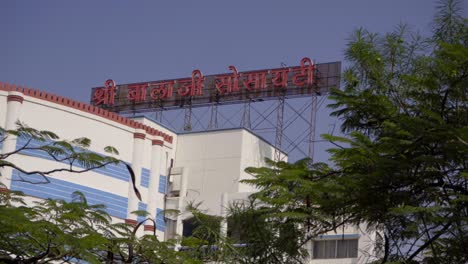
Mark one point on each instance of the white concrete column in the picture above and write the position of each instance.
(156, 154)
(182, 195)
(137, 163)
(224, 214)
(310, 249)
(14, 105)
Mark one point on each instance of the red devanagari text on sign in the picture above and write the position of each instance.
(193, 86)
(305, 73)
(162, 90)
(137, 92)
(105, 95)
(229, 82)
(280, 77)
(255, 80)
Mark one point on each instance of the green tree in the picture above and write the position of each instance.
(263, 234)
(260, 230)
(53, 230)
(294, 206)
(401, 166)
(129, 248)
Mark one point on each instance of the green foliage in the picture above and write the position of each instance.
(151, 250)
(263, 235)
(284, 215)
(404, 107)
(56, 230)
(205, 242)
(52, 230)
(401, 165)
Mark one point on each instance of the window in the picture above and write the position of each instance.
(189, 227)
(171, 226)
(342, 248)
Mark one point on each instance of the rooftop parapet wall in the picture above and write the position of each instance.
(85, 108)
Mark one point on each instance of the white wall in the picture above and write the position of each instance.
(213, 160)
(70, 123)
(3, 108)
(216, 161)
(254, 152)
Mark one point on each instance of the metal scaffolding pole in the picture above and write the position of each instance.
(188, 117)
(279, 126)
(245, 122)
(313, 117)
(213, 117)
(158, 114)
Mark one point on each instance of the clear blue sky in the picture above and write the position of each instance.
(67, 47)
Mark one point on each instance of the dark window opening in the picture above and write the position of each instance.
(343, 248)
(189, 227)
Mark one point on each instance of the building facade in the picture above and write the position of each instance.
(171, 169)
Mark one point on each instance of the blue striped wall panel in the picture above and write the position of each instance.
(145, 177)
(339, 236)
(162, 184)
(3, 137)
(160, 221)
(117, 171)
(141, 207)
(58, 189)
(77, 261)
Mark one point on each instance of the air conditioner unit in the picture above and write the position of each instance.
(175, 182)
(175, 179)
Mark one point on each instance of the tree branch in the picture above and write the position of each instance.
(45, 174)
(430, 241)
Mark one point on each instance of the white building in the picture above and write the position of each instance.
(204, 167)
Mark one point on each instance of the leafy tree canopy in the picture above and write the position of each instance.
(401, 166)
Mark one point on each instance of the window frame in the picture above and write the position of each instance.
(321, 248)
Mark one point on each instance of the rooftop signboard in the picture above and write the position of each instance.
(307, 79)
